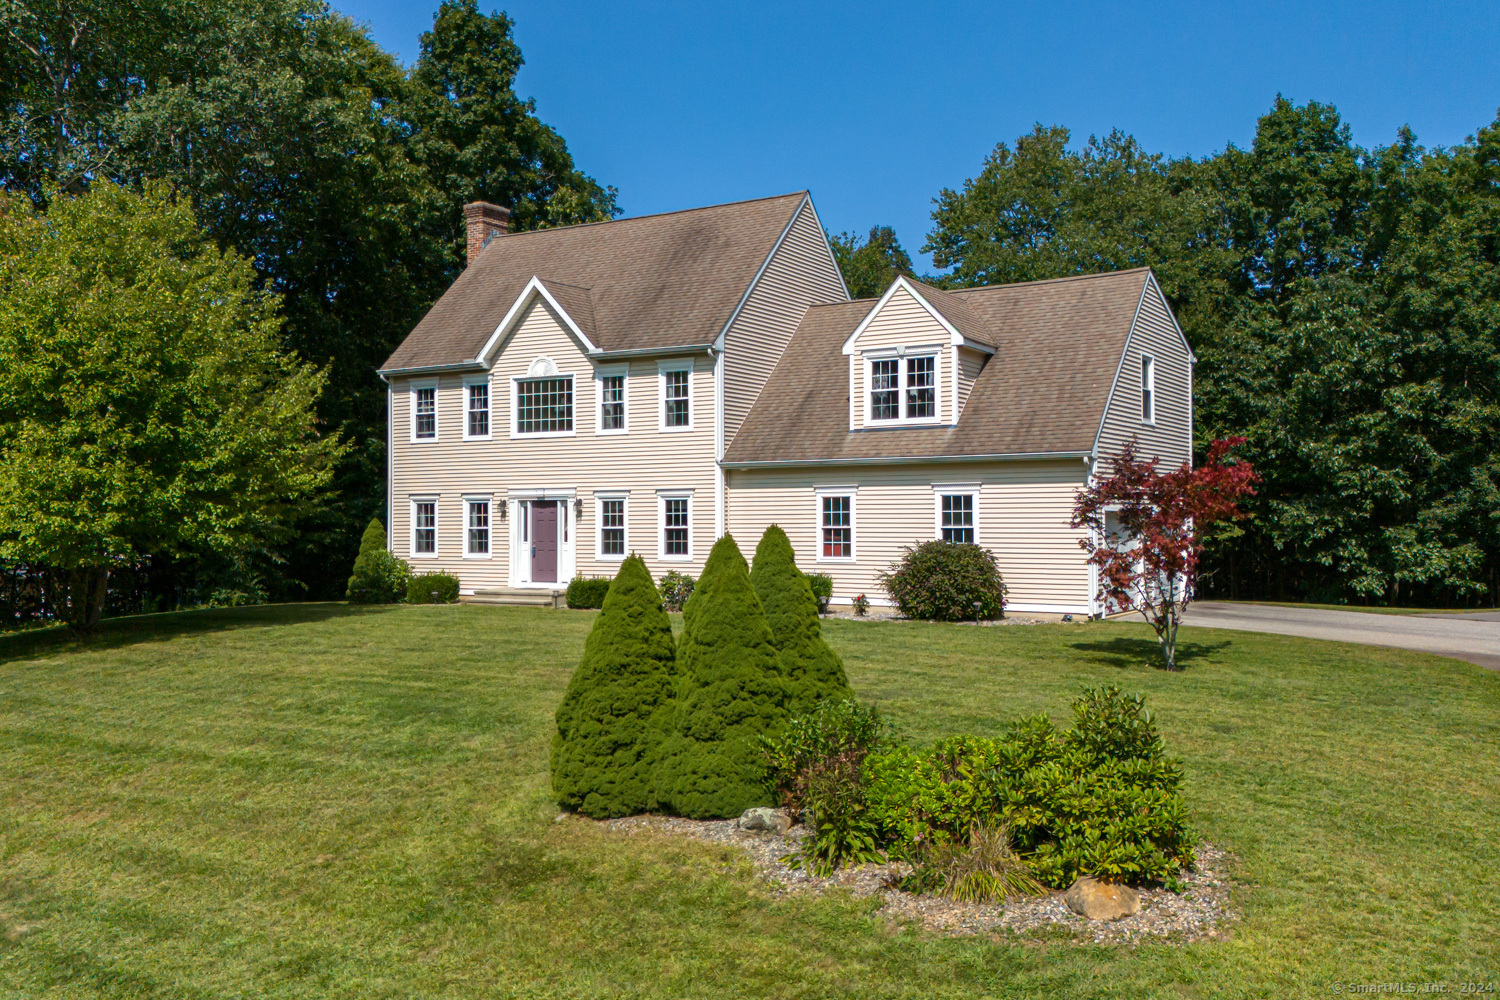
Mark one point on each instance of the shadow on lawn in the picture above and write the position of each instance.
(1125, 653)
(114, 633)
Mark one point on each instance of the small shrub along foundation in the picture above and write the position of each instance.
(587, 592)
(1100, 799)
(822, 588)
(378, 577)
(675, 589)
(432, 588)
(946, 582)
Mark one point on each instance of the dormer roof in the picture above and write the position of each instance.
(649, 283)
(1057, 345)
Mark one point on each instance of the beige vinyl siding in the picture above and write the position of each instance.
(970, 362)
(640, 462)
(903, 322)
(800, 274)
(1023, 514)
(1170, 438)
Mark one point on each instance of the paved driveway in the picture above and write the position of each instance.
(1473, 637)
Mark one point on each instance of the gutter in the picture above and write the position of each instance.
(477, 365)
(1083, 456)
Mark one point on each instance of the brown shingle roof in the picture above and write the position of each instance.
(656, 281)
(1058, 344)
(957, 312)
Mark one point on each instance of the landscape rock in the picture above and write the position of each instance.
(765, 819)
(1097, 900)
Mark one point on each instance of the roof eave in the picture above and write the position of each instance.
(1030, 456)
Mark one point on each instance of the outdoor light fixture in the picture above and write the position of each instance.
(578, 508)
(503, 510)
(977, 606)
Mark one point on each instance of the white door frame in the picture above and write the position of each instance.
(567, 530)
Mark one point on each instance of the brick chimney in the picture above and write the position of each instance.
(484, 222)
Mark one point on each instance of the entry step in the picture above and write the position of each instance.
(536, 597)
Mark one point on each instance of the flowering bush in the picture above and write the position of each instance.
(675, 589)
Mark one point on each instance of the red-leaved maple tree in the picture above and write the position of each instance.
(1145, 528)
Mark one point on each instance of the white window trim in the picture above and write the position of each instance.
(437, 406)
(662, 367)
(662, 496)
(1148, 384)
(600, 374)
(940, 490)
(900, 355)
(624, 496)
(488, 500)
(852, 492)
(483, 380)
(437, 524)
(515, 415)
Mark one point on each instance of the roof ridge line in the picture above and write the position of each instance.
(1049, 281)
(655, 215)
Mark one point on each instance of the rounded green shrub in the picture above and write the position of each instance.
(587, 592)
(618, 705)
(811, 669)
(378, 577)
(822, 588)
(432, 588)
(730, 693)
(942, 581)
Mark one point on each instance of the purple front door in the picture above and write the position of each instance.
(544, 541)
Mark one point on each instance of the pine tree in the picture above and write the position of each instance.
(618, 705)
(379, 577)
(811, 669)
(730, 691)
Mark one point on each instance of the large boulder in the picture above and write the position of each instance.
(812, 670)
(1088, 897)
(618, 706)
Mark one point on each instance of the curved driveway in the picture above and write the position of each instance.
(1474, 637)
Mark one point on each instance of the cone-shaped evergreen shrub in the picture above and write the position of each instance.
(618, 706)
(379, 577)
(730, 691)
(811, 669)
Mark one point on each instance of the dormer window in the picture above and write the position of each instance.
(903, 388)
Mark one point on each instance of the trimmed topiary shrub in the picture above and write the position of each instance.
(811, 669)
(379, 577)
(675, 588)
(618, 705)
(587, 592)
(822, 588)
(941, 581)
(432, 588)
(730, 693)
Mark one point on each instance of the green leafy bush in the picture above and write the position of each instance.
(822, 588)
(730, 693)
(811, 669)
(618, 706)
(860, 604)
(432, 588)
(378, 577)
(588, 592)
(1101, 798)
(941, 581)
(675, 589)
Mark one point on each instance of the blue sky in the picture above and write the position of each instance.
(876, 107)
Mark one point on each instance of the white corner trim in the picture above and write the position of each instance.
(533, 288)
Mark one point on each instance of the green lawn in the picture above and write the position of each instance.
(323, 801)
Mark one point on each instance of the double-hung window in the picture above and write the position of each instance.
(835, 525)
(903, 389)
(477, 527)
(424, 412)
(424, 526)
(956, 517)
(544, 405)
(611, 388)
(676, 396)
(676, 526)
(611, 526)
(477, 409)
(1148, 389)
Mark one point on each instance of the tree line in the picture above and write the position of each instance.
(1344, 305)
(1343, 302)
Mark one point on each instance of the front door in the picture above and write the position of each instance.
(544, 541)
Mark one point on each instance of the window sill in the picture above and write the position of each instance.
(517, 436)
(618, 432)
(835, 559)
(423, 555)
(480, 437)
(675, 430)
(481, 556)
(676, 559)
(428, 440)
(601, 557)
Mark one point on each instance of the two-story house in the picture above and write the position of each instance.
(644, 385)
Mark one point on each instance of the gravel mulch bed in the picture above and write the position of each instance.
(891, 615)
(1201, 911)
